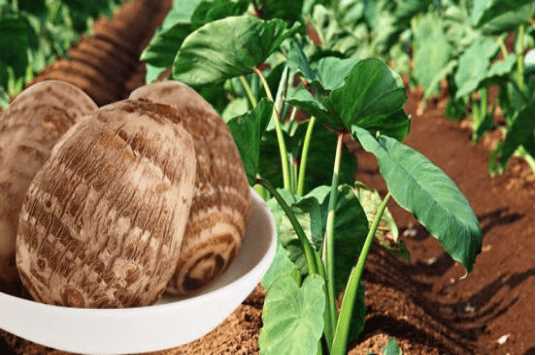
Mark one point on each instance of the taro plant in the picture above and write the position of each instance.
(36, 33)
(463, 43)
(290, 106)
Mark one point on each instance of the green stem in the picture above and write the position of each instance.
(279, 132)
(350, 293)
(248, 91)
(520, 48)
(329, 237)
(483, 101)
(328, 330)
(306, 245)
(304, 155)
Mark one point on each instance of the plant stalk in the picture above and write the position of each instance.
(304, 155)
(275, 116)
(306, 245)
(249, 93)
(328, 330)
(329, 237)
(350, 293)
(520, 48)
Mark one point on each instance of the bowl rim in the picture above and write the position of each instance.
(261, 265)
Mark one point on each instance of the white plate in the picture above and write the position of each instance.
(171, 322)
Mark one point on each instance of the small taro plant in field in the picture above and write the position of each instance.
(34, 33)
(480, 52)
(290, 105)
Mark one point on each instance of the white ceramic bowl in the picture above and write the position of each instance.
(171, 322)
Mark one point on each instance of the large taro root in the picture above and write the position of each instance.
(221, 202)
(31, 126)
(103, 220)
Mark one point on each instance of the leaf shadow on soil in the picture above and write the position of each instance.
(451, 327)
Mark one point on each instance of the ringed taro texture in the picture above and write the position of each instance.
(31, 126)
(103, 221)
(221, 202)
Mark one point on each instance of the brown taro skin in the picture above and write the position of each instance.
(103, 220)
(30, 127)
(221, 202)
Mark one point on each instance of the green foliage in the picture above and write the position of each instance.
(371, 96)
(35, 32)
(326, 85)
(292, 317)
(228, 48)
(432, 52)
(247, 131)
(474, 65)
(432, 197)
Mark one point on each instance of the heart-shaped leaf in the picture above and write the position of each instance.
(293, 317)
(247, 131)
(371, 96)
(281, 266)
(423, 189)
(183, 20)
(370, 90)
(228, 48)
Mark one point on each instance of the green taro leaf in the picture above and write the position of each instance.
(163, 48)
(432, 52)
(474, 64)
(396, 125)
(302, 98)
(332, 71)
(509, 21)
(237, 107)
(293, 317)
(495, 16)
(431, 196)
(228, 48)
(285, 232)
(15, 35)
(502, 67)
(247, 131)
(281, 266)
(392, 348)
(208, 11)
(370, 90)
(298, 62)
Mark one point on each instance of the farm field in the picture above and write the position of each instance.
(427, 304)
